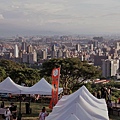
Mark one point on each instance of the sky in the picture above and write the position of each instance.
(25, 17)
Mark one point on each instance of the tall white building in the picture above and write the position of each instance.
(16, 51)
(78, 47)
(32, 57)
(59, 53)
(29, 48)
(91, 47)
(44, 54)
(110, 67)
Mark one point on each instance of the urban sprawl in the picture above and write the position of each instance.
(99, 51)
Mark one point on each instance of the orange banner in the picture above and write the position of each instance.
(55, 86)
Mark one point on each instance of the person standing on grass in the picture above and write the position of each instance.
(7, 114)
(45, 111)
(2, 104)
(109, 106)
(42, 115)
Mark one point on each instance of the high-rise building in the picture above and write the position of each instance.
(53, 48)
(78, 47)
(24, 46)
(110, 67)
(91, 47)
(25, 57)
(44, 54)
(117, 45)
(29, 48)
(59, 53)
(66, 54)
(32, 57)
(16, 51)
(53, 52)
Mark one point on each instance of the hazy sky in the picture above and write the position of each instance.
(59, 16)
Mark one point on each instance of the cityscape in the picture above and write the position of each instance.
(98, 51)
(60, 58)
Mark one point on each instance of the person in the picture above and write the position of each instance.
(99, 95)
(115, 102)
(102, 92)
(7, 114)
(13, 109)
(45, 111)
(109, 106)
(109, 92)
(42, 114)
(2, 104)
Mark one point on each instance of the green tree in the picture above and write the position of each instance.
(73, 71)
(9, 65)
(19, 73)
(2, 74)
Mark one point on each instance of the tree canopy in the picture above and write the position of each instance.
(73, 71)
(19, 73)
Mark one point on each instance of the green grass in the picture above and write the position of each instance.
(113, 117)
(36, 108)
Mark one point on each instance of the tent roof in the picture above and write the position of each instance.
(82, 104)
(43, 87)
(71, 117)
(8, 86)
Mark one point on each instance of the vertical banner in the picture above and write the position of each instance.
(55, 86)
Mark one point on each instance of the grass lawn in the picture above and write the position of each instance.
(114, 117)
(36, 108)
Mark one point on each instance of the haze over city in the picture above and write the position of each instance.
(26, 17)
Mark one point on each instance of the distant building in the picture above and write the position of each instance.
(44, 54)
(24, 46)
(91, 47)
(16, 51)
(53, 52)
(110, 67)
(78, 47)
(29, 49)
(25, 57)
(98, 60)
(59, 53)
(117, 45)
(32, 57)
(66, 54)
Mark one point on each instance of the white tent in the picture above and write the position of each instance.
(8, 86)
(43, 87)
(81, 105)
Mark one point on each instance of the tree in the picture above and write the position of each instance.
(73, 71)
(9, 65)
(28, 75)
(2, 74)
(19, 73)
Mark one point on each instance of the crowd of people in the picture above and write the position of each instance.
(10, 112)
(104, 92)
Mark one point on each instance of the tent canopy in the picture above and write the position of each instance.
(42, 87)
(8, 86)
(81, 105)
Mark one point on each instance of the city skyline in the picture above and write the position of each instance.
(26, 17)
